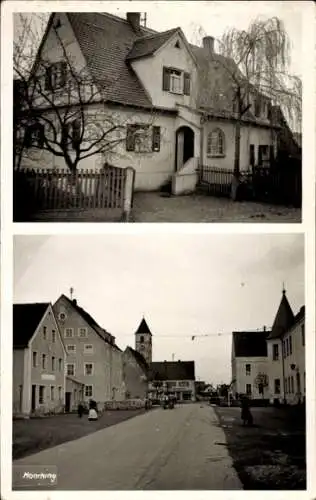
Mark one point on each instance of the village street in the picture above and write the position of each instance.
(179, 449)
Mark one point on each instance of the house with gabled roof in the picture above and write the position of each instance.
(286, 355)
(135, 370)
(158, 87)
(249, 363)
(174, 377)
(39, 356)
(93, 357)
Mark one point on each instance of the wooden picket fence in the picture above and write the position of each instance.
(273, 185)
(215, 181)
(45, 189)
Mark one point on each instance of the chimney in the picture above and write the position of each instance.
(133, 18)
(208, 43)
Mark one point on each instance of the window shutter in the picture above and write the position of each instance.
(48, 78)
(186, 84)
(165, 79)
(156, 139)
(130, 138)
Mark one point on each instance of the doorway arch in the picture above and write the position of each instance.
(184, 146)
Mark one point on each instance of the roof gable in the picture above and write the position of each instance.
(149, 44)
(139, 358)
(284, 318)
(26, 319)
(250, 344)
(101, 332)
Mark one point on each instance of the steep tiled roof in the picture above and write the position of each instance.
(105, 41)
(143, 327)
(172, 370)
(250, 344)
(106, 336)
(26, 318)
(283, 320)
(149, 44)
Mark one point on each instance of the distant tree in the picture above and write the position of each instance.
(261, 382)
(256, 63)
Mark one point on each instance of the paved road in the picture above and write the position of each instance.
(180, 449)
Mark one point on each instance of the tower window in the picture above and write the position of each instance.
(142, 339)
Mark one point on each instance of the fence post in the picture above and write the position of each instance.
(128, 193)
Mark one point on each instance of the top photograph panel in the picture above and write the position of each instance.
(176, 114)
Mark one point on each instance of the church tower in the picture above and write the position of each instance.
(143, 341)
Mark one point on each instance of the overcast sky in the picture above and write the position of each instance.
(214, 17)
(184, 285)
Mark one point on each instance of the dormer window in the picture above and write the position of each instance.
(176, 81)
(56, 75)
(177, 45)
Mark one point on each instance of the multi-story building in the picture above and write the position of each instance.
(93, 358)
(249, 364)
(286, 355)
(39, 357)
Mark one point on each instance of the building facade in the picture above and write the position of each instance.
(286, 355)
(160, 90)
(39, 358)
(93, 359)
(173, 377)
(250, 364)
(135, 370)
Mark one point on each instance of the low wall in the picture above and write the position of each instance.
(185, 181)
(129, 404)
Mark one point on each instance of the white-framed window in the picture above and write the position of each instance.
(88, 349)
(52, 392)
(56, 75)
(88, 368)
(290, 344)
(142, 138)
(53, 336)
(44, 332)
(60, 365)
(53, 363)
(71, 348)
(248, 369)
(60, 393)
(275, 353)
(41, 394)
(176, 81)
(82, 332)
(216, 143)
(277, 386)
(70, 369)
(248, 389)
(44, 359)
(88, 391)
(69, 333)
(34, 359)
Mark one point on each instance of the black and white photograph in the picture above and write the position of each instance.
(159, 362)
(177, 113)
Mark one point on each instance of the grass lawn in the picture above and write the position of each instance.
(271, 454)
(37, 434)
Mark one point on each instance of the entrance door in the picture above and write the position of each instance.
(184, 146)
(33, 400)
(67, 401)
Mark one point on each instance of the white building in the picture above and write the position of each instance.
(250, 364)
(286, 355)
(157, 86)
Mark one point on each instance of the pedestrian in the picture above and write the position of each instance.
(80, 410)
(246, 415)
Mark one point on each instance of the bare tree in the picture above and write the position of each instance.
(256, 71)
(61, 108)
(261, 382)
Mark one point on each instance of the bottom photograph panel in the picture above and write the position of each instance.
(159, 362)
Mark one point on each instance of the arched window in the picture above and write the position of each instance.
(216, 143)
(142, 339)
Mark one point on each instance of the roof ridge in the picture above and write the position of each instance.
(159, 33)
